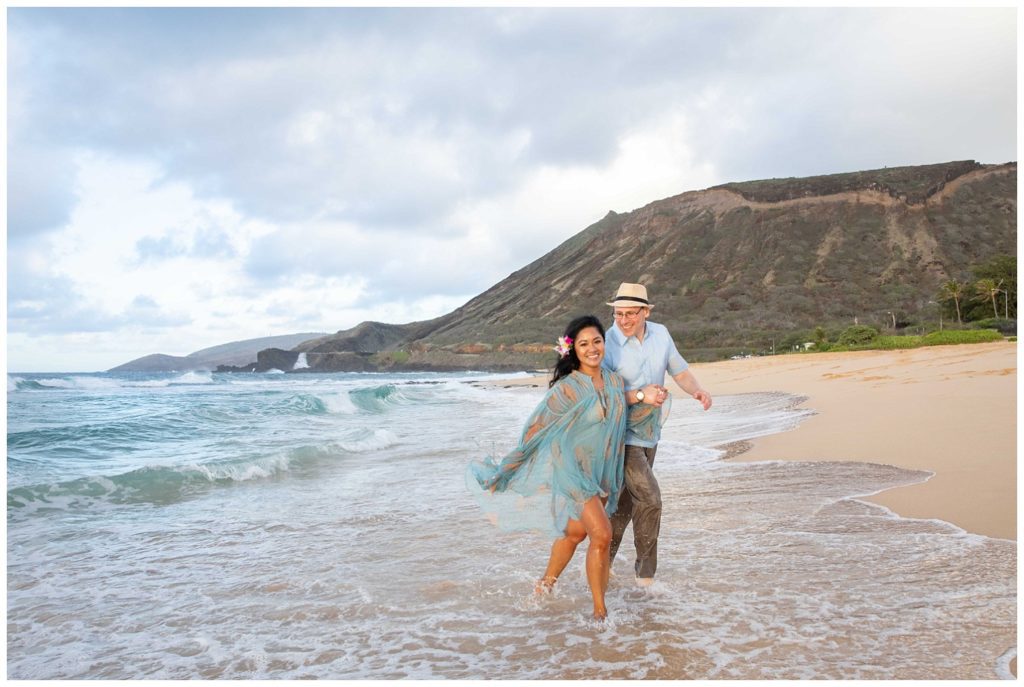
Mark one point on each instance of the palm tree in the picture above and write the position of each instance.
(987, 289)
(954, 289)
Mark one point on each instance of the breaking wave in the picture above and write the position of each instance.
(93, 383)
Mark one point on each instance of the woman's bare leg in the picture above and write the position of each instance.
(599, 529)
(562, 551)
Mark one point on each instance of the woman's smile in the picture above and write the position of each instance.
(589, 346)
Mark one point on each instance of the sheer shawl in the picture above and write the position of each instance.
(571, 449)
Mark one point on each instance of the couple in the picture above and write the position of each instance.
(583, 467)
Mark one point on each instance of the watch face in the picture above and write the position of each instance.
(639, 395)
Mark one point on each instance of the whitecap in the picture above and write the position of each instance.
(240, 472)
(340, 403)
(193, 378)
(59, 383)
(381, 438)
(150, 383)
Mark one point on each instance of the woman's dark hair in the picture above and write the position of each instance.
(565, 366)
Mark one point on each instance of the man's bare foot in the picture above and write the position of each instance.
(600, 614)
(544, 585)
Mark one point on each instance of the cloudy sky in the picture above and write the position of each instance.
(181, 178)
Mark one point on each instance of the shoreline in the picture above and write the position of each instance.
(948, 410)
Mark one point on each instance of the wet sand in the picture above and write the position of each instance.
(948, 409)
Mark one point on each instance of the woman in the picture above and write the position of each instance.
(566, 474)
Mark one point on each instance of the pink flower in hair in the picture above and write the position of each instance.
(564, 346)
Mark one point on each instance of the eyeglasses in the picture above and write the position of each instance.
(626, 314)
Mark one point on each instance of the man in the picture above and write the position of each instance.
(642, 352)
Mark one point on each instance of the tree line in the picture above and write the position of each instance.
(991, 294)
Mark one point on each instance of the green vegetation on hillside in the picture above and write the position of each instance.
(987, 301)
(913, 184)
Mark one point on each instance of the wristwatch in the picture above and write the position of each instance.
(639, 395)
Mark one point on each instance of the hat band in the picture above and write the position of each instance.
(632, 298)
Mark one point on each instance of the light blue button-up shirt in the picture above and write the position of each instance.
(644, 363)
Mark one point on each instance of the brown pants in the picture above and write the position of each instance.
(640, 501)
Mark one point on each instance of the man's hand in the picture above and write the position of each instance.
(704, 397)
(688, 383)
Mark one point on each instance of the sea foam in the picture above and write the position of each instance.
(380, 438)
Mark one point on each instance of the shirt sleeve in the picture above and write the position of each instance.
(676, 363)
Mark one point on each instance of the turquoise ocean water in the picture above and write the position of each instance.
(307, 525)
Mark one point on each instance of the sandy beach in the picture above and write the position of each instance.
(948, 409)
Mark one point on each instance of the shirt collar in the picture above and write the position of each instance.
(620, 338)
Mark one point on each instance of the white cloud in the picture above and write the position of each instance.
(125, 203)
(190, 287)
(554, 203)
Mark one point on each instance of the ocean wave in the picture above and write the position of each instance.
(340, 403)
(166, 484)
(304, 403)
(162, 485)
(97, 383)
(386, 397)
(376, 399)
(380, 438)
(193, 378)
(186, 379)
(19, 384)
(93, 438)
(73, 383)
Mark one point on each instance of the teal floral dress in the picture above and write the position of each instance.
(571, 449)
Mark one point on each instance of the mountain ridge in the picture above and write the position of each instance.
(731, 266)
(234, 353)
(762, 258)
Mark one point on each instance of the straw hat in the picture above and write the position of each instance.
(630, 295)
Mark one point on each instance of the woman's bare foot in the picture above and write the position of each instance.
(600, 614)
(544, 585)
